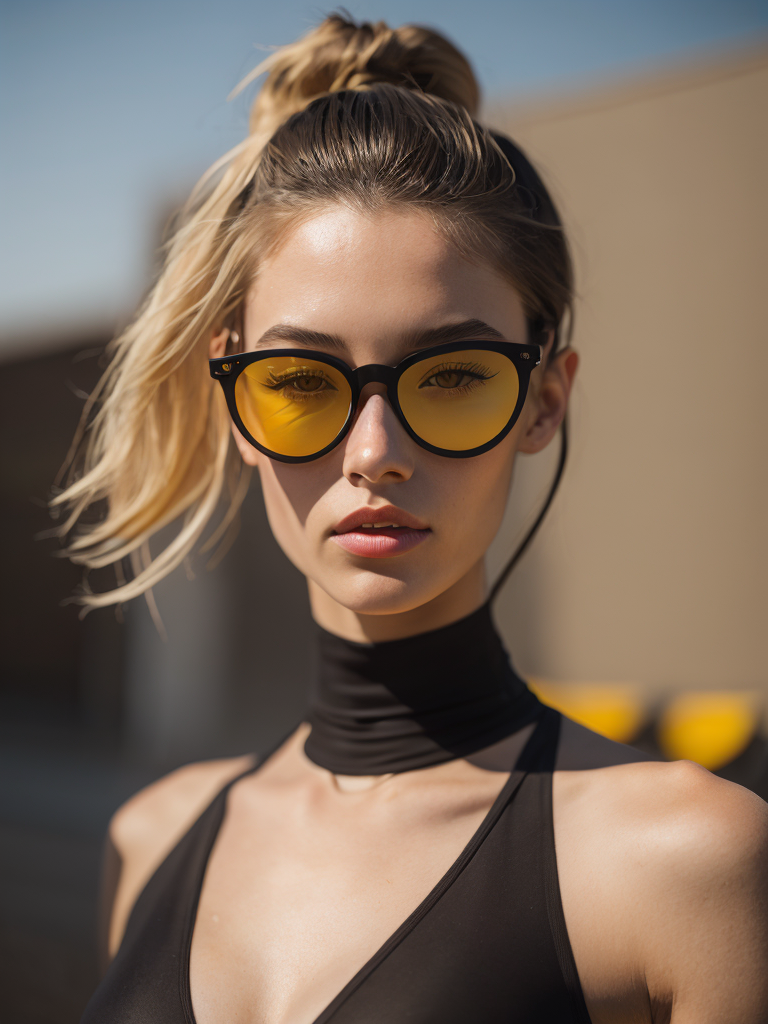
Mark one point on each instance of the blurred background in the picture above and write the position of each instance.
(641, 607)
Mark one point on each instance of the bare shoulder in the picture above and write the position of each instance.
(713, 830)
(675, 813)
(147, 827)
(655, 796)
(158, 815)
(675, 805)
(668, 882)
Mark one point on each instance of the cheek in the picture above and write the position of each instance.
(478, 504)
(286, 490)
(291, 492)
(468, 498)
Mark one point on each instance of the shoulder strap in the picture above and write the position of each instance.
(544, 767)
(540, 751)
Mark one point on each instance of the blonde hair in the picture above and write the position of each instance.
(358, 114)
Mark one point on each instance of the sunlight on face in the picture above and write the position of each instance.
(373, 283)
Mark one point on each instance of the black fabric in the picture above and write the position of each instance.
(405, 704)
(487, 945)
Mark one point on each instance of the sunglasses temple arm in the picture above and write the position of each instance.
(523, 546)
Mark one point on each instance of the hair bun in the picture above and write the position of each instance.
(340, 54)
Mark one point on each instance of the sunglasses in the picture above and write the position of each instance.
(458, 400)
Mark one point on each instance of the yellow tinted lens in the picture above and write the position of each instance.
(293, 406)
(461, 400)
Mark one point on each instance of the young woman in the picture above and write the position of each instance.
(382, 287)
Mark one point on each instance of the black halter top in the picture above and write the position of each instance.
(488, 944)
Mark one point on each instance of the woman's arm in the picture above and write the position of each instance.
(706, 904)
(664, 878)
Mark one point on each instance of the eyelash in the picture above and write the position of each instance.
(476, 370)
(277, 383)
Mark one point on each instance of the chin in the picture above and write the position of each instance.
(374, 593)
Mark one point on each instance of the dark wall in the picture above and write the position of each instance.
(53, 723)
(77, 696)
(43, 644)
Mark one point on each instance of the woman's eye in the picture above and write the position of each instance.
(450, 379)
(300, 384)
(308, 384)
(455, 378)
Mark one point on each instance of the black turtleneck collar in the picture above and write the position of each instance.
(412, 703)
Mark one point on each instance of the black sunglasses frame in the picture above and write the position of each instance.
(227, 369)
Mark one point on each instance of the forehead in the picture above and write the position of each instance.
(374, 281)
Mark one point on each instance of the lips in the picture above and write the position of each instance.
(380, 532)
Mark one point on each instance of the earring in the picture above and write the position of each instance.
(234, 337)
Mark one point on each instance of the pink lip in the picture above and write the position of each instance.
(385, 541)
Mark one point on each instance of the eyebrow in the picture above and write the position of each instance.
(466, 330)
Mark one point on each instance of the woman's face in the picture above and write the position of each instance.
(373, 284)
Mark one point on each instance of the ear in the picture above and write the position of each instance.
(217, 348)
(218, 345)
(550, 401)
(251, 456)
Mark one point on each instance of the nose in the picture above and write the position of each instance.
(377, 448)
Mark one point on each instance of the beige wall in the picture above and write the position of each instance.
(652, 567)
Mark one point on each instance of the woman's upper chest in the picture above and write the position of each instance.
(422, 900)
(306, 883)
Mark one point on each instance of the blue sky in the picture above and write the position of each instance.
(110, 109)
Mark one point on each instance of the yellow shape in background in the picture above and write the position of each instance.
(615, 710)
(710, 728)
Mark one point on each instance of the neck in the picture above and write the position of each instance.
(398, 622)
(413, 702)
